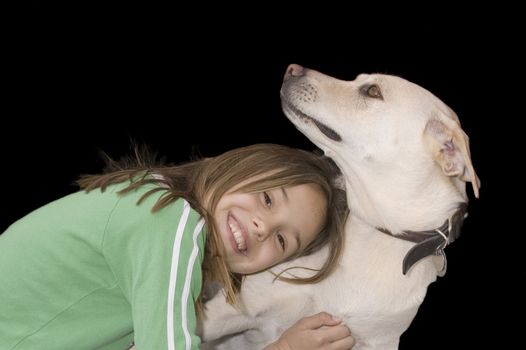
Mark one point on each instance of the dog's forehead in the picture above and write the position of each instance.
(405, 89)
(366, 78)
(384, 80)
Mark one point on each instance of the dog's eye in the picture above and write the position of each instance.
(372, 90)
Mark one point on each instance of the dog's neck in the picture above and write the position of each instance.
(402, 203)
(428, 210)
(431, 242)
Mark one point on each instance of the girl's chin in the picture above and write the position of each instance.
(239, 268)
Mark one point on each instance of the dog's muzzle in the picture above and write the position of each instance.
(325, 130)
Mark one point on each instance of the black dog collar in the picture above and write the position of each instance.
(431, 242)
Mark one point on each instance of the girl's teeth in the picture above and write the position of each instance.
(238, 237)
(239, 240)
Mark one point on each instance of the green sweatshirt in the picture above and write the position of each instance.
(97, 271)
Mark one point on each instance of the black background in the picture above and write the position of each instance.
(73, 90)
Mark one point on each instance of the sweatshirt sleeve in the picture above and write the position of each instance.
(156, 259)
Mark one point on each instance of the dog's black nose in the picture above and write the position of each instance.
(294, 70)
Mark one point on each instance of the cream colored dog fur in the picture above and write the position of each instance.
(405, 161)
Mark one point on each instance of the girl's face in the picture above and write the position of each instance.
(259, 230)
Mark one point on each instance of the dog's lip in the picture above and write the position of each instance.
(327, 131)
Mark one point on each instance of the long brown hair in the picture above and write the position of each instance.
(265, 166)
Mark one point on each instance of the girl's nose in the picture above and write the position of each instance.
(260, 229)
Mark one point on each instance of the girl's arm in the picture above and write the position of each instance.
(156, 259)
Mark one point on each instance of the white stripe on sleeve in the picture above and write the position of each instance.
(188, 282)
(173, 275)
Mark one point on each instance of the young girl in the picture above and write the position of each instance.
(125, 259)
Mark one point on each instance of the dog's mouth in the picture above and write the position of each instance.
(325, 130)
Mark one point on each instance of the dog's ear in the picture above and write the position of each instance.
(450, 148)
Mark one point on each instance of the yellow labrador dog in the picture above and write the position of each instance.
(406, 162)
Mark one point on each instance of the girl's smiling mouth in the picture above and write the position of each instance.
(238, 241)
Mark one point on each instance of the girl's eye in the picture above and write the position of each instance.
(281, 241)
(268, 201)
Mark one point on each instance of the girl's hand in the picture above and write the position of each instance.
(320, 331)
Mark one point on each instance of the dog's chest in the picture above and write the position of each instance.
(369, 290)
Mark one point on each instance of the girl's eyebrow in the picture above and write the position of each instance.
(285, 196)
(296, 234)
(298, 241)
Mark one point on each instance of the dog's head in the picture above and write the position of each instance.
(382, 120)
